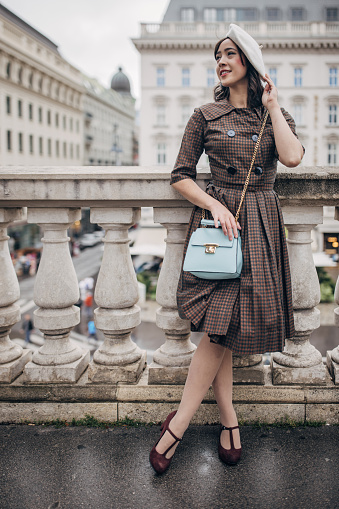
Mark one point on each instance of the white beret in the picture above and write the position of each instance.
(248, 45)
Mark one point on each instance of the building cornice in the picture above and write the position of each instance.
(194, 44)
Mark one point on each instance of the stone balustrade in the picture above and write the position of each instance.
(54, 197)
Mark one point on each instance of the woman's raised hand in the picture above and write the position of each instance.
(270, 94)
(226, 218)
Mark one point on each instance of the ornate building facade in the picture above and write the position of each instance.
(41, 119)
(300, 49)
(109, 122)
(50, 113)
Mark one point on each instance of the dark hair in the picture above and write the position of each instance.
(255, 87)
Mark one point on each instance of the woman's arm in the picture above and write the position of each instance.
(193, 193)
(288, 146)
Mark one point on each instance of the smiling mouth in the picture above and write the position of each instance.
(224, 73)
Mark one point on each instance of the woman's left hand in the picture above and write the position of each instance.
(270, 94)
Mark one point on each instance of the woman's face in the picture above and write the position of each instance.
(231, 66)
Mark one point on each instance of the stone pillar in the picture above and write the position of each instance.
(12, 357)
(118, 359)
(171, 361)
(248, 369)
(55, 292)
(300, 362)
(333, 356)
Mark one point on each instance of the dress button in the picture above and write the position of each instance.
(258, 171)
(255, 137)
(231, 170)
(231, 133)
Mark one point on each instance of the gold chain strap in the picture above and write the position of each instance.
(249, 172)
(252, 163)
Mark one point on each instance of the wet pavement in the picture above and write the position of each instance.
(78, 467)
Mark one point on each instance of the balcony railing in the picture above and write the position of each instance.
(54, 197)
(219, 29)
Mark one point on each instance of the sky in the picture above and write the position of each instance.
(93, 35)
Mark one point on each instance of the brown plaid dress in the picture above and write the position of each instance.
(252, 314)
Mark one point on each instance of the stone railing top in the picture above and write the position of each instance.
(108, 186)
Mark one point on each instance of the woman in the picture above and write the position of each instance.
(252, 314)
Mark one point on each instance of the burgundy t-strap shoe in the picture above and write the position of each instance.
(229, 456)
(159, 461)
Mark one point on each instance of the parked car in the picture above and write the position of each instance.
(89, 240)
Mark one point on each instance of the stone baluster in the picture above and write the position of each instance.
(171, 361)
(248, 369)
(300, 362)
(333, 356)
(118, 359)
(55, 292)
(12, 356)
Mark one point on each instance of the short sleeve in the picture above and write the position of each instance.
(192, 146)
(290, 120)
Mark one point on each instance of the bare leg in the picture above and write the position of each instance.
(222, 387)
(205, 364)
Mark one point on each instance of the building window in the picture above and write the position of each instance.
(8, 105)
(185, 113)
(298, 77)
(273, 14)
(49, 117)
(273, 74)
(297, 14)
(57, 120)
(49, 146)
(187, 15)
(298, 114)
(64, 122)
(332, 114)
(332, 154)
(20, 142)
(31, 143)
(65, 149)
(71, 124)
(161, 153)
(30, 80)
(19, 108)
(41, 151)
(9, 141)
(78, 151)
(210, 15)
(8, 70)
(185, 77)
(30, 111)
(40, 85)
(230, 15)
(332, 14)
(20, 76)
(160, 76)
(333, 76)
(40, 115)
(161, 114)
(77, 126)
(71, 150)
(57, 148)
(246, 14)
(210, 77)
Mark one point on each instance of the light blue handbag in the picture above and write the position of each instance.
(210, 253)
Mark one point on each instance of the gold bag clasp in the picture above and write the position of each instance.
(210, 248)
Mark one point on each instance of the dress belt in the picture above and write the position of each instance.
(240, 187)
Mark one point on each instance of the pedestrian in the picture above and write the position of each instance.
(91, 329)
(87, 305)
(27, 327)
(251, 314)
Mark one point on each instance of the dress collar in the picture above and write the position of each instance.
(211, 111)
